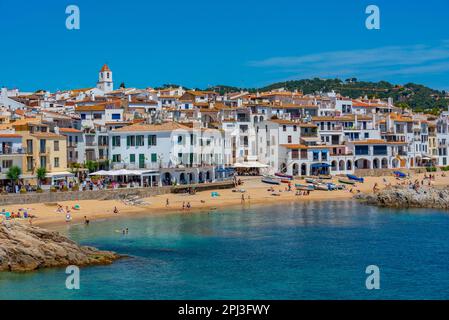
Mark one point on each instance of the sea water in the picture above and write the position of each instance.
(300, 250)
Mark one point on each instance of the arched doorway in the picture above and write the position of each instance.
(376, 163)
(303, 169)
(384, 163)
(295, 169)
(200, 178)
(395, 163)
(283, 167)
(349, 165)
(191, 178)
(362, 164)
(341, 165)
(334, 165)
(167, 180)
(182, 178)
(208, 176)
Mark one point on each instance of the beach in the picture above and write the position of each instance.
(255, 193)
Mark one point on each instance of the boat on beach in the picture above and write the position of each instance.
(271, 180)
(283, 176)
(355, 178)
(346, 181)
(322, 186)
(313, 180)
(325, 176)
(305, 187)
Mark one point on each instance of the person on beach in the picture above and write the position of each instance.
(86, 221)
(167, 203)
(243, 198)
(115, 210)
(183, 205)
(188, 205)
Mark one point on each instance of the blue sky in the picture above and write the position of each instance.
(243, 43)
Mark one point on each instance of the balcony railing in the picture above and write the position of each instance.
(7, 151)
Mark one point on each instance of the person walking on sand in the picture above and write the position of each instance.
(167, 203)
(115, 210)
(243, 198)
(86, 221)
(183, 205)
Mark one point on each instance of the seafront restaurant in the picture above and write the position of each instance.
(142, 178)
(250, 168)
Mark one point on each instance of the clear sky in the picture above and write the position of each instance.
(243, 43)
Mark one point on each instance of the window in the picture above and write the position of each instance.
(115, 116)
(56, 145)
(141, 161)
(284, 128)
(97, 116)
(132, 158)
(131, 141)
(56, 162)
(152, 140)
(154, 157)
(43, 161)
(289, 139)
(116, 158)
(29, 163)
(83, 116)
(42, 145)
(116, 141)
(6, 164)
(140, 141)
(179, 139)
(295, 128)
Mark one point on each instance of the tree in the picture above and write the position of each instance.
(13, 174)
(40, 174)
(91, 165)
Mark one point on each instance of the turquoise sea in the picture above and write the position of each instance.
(302, 250)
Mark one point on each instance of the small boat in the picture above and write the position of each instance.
(283, 176)
(399, 174)
(353, 177)
(346, 181)
(313, 181)
(340, 186)
(285, 180)
(270, 180)
(306, 187)
(331, 186)
(322, 186)
(324, 176)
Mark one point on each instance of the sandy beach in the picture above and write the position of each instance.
(255, 193)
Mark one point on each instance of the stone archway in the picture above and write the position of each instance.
(376, 163)
(384, 163)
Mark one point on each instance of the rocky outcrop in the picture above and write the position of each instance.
(27, 248)
(405, 197)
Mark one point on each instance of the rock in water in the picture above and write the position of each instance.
(27, 248)
(405, 197)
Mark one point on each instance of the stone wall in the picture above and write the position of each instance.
(47, 197)
(108, 194)
(385, 172)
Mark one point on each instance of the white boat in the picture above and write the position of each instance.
(270, 180)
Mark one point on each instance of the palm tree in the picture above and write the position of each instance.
(13, 174)
(40, 174)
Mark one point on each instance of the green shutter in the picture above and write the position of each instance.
(132, 158)
(141, 161)
(154, 157)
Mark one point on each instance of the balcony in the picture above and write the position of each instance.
(12, 151)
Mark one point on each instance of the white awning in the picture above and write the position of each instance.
(59, 175)
(250, 164)
(124, 172)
